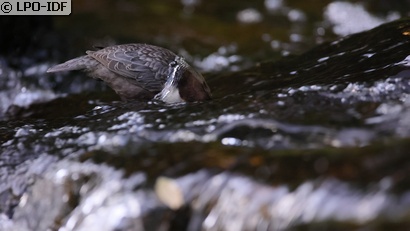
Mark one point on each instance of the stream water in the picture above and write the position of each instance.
(308, 127)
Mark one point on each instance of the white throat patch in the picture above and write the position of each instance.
(170, 93)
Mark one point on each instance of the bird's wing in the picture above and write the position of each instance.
(147, 65)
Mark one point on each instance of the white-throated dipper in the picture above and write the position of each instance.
(136, 71)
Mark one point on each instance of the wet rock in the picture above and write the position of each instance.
(231, 202)
(74, 196)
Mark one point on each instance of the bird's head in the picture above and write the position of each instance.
(184, 84)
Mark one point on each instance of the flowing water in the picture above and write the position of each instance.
(301, 134)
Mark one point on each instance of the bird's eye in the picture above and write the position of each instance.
(173, 64)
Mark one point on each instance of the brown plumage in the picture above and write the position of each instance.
(137, 71)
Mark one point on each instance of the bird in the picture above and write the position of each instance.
(142, 71)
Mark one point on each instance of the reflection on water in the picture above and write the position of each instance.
(349, 18)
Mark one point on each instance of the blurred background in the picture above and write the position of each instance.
(213, 36)
(228, 33)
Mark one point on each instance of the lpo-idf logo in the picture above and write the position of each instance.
(35, 7)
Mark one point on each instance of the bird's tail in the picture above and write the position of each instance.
(80, 63)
